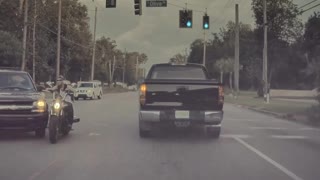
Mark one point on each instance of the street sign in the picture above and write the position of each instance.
(156, 3)
(111, 3)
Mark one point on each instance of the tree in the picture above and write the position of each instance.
(178, 59)
(311, 47)
(282, 17)
(225, 65)
(11, 50)
(11, 18)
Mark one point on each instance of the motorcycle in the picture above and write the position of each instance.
(59, 124)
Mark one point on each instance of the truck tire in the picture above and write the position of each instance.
(76, 98)
(53, 129)
(213, 132)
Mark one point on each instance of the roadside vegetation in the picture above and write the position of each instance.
(293, 55)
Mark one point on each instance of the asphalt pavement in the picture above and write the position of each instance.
(106, 145)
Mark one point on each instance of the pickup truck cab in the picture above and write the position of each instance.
(22, 105)
(180, 96)
(88, 89)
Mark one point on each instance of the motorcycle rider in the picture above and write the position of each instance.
(62, 88)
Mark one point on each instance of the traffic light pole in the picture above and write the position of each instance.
(204, 47)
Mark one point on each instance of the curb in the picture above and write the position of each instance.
(290, 117)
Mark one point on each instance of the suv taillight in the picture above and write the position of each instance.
(143, 93)
(221, 95)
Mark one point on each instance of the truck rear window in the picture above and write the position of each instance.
(86, 85)
(178, 72)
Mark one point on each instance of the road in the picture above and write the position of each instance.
(106, 145)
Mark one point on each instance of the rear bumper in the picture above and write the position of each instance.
(203, 118)
(83, 95)
(23, 121)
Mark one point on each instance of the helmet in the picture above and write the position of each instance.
(60, 78)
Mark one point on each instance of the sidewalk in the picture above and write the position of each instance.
(313, 102)
(290, 109)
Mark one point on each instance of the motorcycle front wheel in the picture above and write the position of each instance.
(53, 129)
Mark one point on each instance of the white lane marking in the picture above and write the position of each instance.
(94, 134)
(268, 159)
(288, 137)
(268, 128)
(235, 136)
(309, 129)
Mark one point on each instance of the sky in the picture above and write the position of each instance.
(157, 33)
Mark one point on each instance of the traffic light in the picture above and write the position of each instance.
(185, 19)
(137, 7)
(111, 3)
(206, 22)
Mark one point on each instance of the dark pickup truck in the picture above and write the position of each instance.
(180, 96)
(22, 107)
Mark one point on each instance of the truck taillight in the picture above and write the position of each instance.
(221, 94)
(143, 93)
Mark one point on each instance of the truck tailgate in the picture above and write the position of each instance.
(182, 95)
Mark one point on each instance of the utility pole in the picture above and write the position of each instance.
(59, 42)
(265, 53)
(34, 42)
(113, 66)
(25, 31)
(94, 43)
(204, 47)
(124, 65)
(186, 56)
(236, 53)
(137, 68)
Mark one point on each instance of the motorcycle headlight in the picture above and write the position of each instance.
(56, 105)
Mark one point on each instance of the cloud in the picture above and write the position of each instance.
(156, 32)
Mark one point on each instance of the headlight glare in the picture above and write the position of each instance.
(41, 103)
(57, 105)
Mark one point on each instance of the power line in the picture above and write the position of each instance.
(310, 8)
(307, 4)
(48, 29)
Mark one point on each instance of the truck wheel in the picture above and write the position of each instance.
(213, 132)
(76, 98)
(144, 133)
(53, 129)
(100, 96)
(40, 133)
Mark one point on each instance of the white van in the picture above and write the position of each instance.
(88, 89)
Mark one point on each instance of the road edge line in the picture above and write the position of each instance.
(268, 159)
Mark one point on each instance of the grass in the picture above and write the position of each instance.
(278, 106)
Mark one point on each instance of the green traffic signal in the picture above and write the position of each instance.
(206, 22)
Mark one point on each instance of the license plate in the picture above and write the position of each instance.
(182, 114)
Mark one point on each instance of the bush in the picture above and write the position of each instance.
(314, 112)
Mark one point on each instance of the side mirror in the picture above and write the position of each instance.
(140, 81)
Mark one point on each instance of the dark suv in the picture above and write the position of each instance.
(22, 106)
